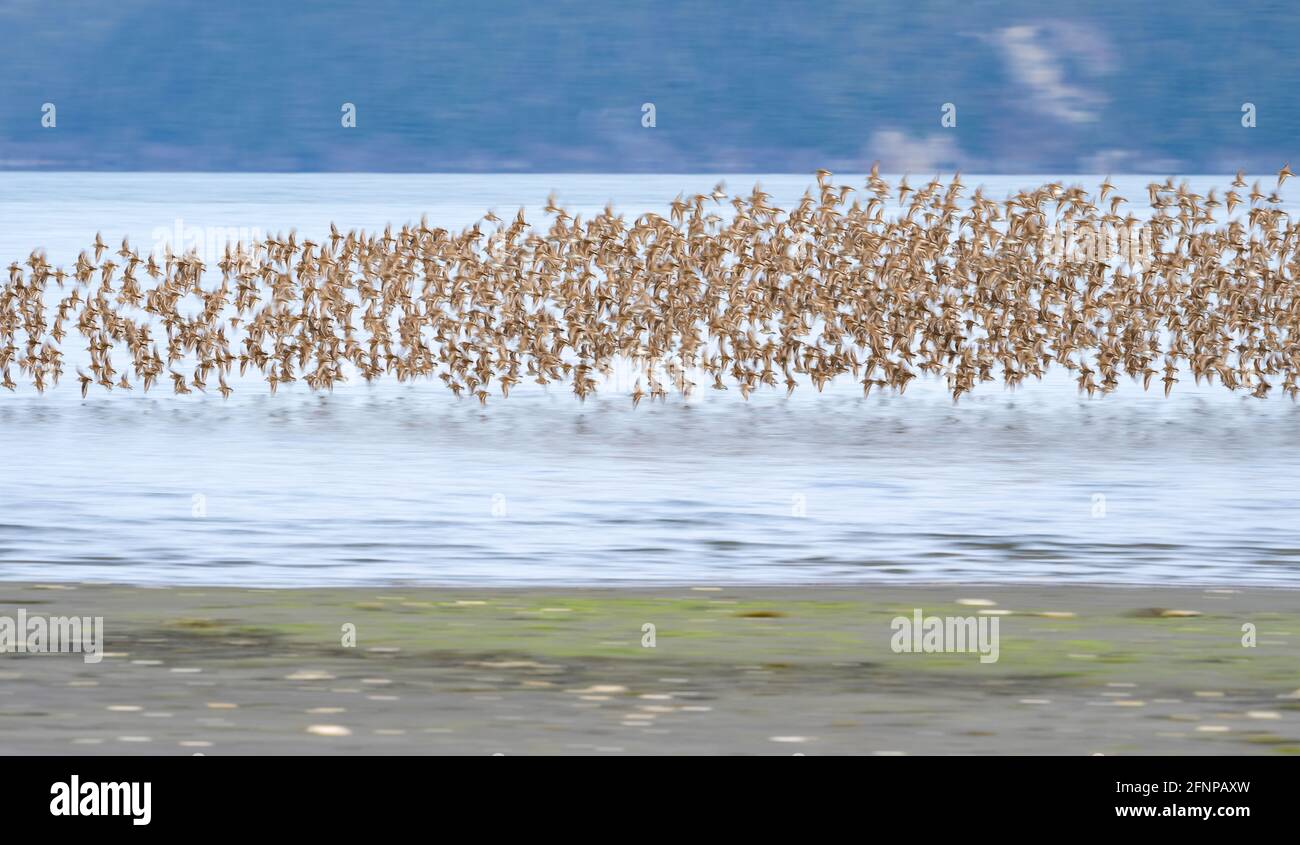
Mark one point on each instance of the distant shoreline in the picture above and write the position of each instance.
(632, 587)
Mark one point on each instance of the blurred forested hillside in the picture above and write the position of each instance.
(508, 85)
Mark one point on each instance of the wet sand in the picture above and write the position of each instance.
(772, 670)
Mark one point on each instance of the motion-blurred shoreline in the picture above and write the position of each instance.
(1080, 670)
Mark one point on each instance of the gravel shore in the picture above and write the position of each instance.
(732, 670)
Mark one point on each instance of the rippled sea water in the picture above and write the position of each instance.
(394, 483)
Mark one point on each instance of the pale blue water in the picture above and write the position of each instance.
(403, 483)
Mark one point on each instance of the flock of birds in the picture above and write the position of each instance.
(879, 281)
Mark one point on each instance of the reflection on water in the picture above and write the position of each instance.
(404, 483)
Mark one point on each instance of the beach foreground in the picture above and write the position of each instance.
(745, 670)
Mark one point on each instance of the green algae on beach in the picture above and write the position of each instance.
(561, 671)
